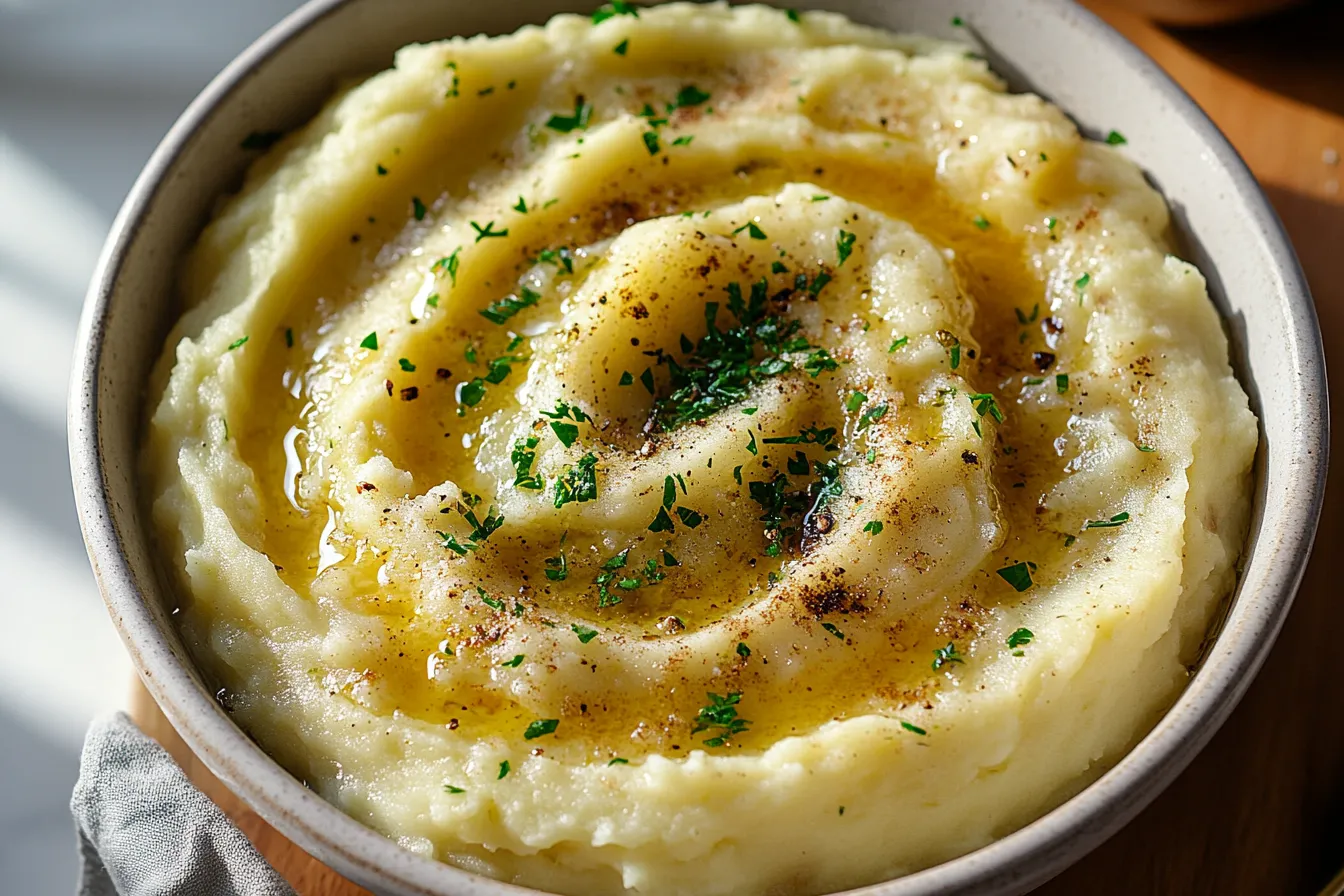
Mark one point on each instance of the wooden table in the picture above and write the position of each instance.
(1262, 808)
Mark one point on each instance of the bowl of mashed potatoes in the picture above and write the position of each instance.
(697, 449)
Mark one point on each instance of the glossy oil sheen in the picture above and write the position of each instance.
(1052, 48)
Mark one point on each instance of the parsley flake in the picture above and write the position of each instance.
(621, 47)
(947, 656)
(844, 245)
(503, 770)
(242, 340)
(720, 713)
(500, 310)
(583, 111)
(913, 729)
(487, 231)
(370, 342)
(873, 527)
(418, 208)
(585, 633)
(1115, 138)
(1118, 520)
(540, 728)
(1018, 575)
(1020, 638)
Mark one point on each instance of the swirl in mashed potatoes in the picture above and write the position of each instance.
(704, 451)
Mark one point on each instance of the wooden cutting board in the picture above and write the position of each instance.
(1262, 808)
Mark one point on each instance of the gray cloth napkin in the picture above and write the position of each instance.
(145, 830)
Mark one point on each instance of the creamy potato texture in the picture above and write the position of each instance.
(697, 452)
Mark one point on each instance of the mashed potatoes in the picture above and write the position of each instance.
(708, 451)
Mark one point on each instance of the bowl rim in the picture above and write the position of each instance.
(1024, 858)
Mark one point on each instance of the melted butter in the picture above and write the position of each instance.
(434, 441)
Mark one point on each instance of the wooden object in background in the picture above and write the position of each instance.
(1261, 811)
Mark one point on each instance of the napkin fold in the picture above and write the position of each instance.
(145, 830)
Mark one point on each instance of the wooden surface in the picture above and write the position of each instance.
(1262, 808)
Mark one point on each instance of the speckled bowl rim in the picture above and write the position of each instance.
(1282, 540)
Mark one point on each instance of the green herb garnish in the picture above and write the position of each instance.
(1020, 638)
(1118, 520)
(720, 713)
(1018, 575)
(540, 728)
(947, 656)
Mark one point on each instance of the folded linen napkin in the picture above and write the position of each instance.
(145, 830)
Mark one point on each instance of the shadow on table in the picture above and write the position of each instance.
(1284, 53)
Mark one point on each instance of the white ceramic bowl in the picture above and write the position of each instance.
(1048, 46)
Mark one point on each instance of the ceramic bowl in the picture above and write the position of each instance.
(1054, 48)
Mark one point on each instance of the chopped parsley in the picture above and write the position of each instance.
(958, 21)
(871, 416)
(721, 714)
(1146, 448)
(1118, 520)
(981, 222)
(833, 630)
(242, 340)
(557, 567)
(520, 206)
(743, 650)
(514, 663)
(855, 401)
(819, 361)
(1115, 138)
(690, 95)
(626, 379)
(449, 788)
(1061, 383)
(1050, 223)
(578, 483)
(777, 267)
(651, 142)
(844, 245)
(418, 208)
(561, 258)
(522, 456)
(619, 760)
(406, 365)
(621, 47)
(873, 527)
(947, 656)
(900, 342)
(913, 729)
(565, 432)
(585, 633)
(752, 229)
(793, 16)
(487, 231)
(1018, 575)
(503, 770)
(689, 517)
(500, 310)
(1020, 638)
(541, 728)
(614, 8)
(289, 337)
(1081, 285)
(370, 342)
(448, 263)
(646, 378)
(984, 403)
(583, 111)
